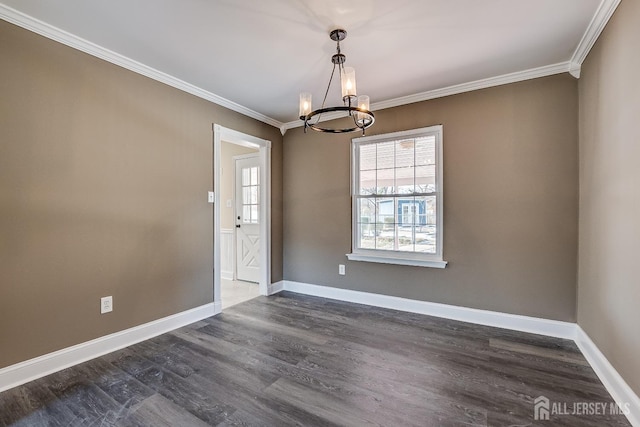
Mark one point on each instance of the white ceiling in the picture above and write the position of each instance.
(262, 54)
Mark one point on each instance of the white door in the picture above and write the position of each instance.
(248, 219)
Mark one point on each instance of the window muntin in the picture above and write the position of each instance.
(397, 194)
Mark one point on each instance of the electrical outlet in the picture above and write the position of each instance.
(106, 304)
(341, 269)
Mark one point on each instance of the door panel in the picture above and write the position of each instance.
(247, 188)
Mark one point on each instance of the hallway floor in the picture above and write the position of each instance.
(236, 291)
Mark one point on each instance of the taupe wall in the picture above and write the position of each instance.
(103, 182)
(609, 271)
(227, 152)
(510, 194)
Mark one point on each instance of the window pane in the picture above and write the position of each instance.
(367, 157)
(385, 211)
(385, 181)
(367, 236)
(255, 214)
(427, 210)
(405, 238)
(254, 176)
(404, 180)
(404, 153)
(425, 179)
(254, 194)
(367, 182)
(408, 209)
(385, 236)
(426, 225)
(246, 195)
(385, 155)
(426, 151)
(246, 214)
(246, 176)
(367, 210)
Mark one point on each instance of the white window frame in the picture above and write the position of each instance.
(398, 257)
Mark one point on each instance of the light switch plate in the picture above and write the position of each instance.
(106, 304)
(212, 197)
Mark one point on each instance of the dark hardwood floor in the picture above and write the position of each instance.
(297, 360)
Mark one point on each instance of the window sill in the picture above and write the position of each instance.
(397, 261)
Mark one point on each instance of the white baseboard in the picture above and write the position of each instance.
(615, 384)
(274, 288)
(217, 308)
(496, 319)
(38, 367)
(32, 369)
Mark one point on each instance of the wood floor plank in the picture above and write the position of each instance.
(120, 386)
(291, 359)
(157, 411)
(86, 400)
(186, 359)
(534, 350)
(271, 344)
(33, 404)
(241, 418)
(268, 324)
(334, 408)
(192, 394)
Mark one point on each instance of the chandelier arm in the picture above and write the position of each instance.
(324, 100)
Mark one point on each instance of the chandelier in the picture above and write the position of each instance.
(356, 107)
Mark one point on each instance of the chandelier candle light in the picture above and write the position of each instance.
(356, 107)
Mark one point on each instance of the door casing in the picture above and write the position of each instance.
(220, 134)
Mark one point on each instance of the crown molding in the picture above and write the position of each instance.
(49, 31)
(575, 69)
(533, 73)
(595, 28)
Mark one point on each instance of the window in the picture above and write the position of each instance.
(250, 195)
(397, 198)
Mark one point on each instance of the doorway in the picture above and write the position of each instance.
(248, 237)
(239, 223)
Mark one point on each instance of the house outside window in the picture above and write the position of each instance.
(397, 198)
